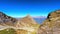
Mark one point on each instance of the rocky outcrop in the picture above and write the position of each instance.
(7, 20)
(51, 25)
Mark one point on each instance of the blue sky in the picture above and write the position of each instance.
(34, 8)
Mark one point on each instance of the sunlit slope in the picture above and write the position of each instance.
(51, 25)
(24, 30)
(8, 31)
(28, 30)
(26, 25)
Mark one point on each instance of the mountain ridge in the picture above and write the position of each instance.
(51, 25)
(19, 25)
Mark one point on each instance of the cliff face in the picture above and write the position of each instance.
(51, 25)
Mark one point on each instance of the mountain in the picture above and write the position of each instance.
(26, 21)
(6, 20)
(51, 25)
(27, 25)
(39, 20)
(10, 25)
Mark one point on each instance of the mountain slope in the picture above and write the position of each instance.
(26, 21)
(51, 25)
(8, 31)
(6, 20)
(27, 24)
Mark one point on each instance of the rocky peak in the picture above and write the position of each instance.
(28, 16)
(26, 21)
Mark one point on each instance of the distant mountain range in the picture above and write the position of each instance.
(39, 20)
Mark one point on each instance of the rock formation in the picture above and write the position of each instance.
(51, 25)
(27, 24)
(26, 21)
(7, 20)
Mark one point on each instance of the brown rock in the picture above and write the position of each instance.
(6, 19)
(51, 25)
(26, 21)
